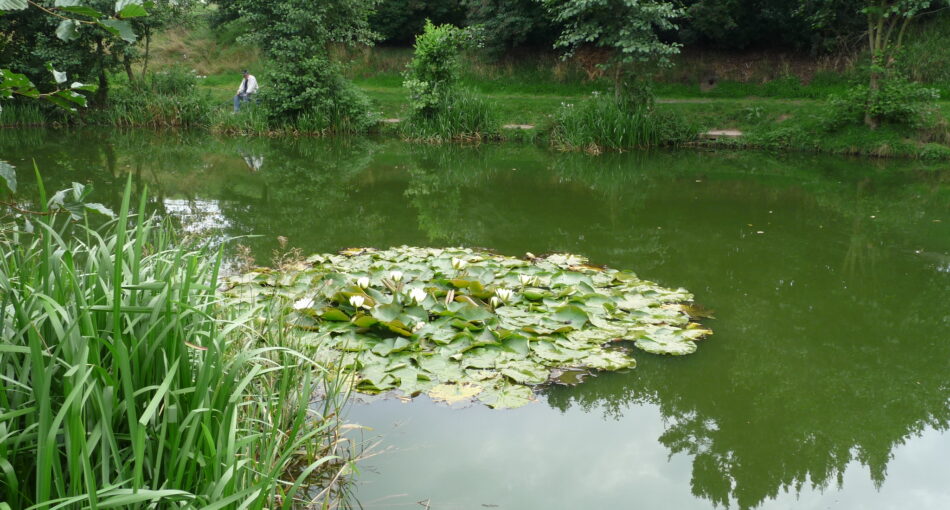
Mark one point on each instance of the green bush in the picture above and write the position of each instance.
(896, 101)
(602, 123)
(433, 74)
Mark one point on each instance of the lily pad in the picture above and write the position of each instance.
(506, 397)
(458, 323)
(453, 393)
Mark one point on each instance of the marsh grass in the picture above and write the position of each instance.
(126, 381)
(465, 117)
(22, 114)
(600, 123)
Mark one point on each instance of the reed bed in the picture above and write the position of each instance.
(600, 123)
(465, 117)
(127, 382)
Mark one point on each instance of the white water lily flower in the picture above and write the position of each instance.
(395, 276)
(357, 301)
(418, 327)
(417, 296)
(458, 264)
(303, 303)
(526, 279)
(362, 282)
(504, 294)
(495, 302)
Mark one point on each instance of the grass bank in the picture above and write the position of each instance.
(128, 381)
(776, 101)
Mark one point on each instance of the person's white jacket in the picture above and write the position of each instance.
(251, 85)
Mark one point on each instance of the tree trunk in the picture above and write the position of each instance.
(127, 63)
(873, 86)
(148, 42)
(102, 95)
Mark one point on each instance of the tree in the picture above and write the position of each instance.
(295, 36)
(887, 22)
(83, 33)
(626, 27)
(399, 21)
(507, 24)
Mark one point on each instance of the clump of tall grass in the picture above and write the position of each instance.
(169, 98)
(601, 123)
(22, 114)
(123, 383)
(462, 117)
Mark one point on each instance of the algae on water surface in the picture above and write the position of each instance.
(458, 323)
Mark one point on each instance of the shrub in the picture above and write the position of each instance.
(433, 74)
(896, 101)
(317, 94)
(602, 123)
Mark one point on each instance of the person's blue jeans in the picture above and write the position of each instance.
(242, 98)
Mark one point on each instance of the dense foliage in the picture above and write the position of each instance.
(627, 29)
(439, 109)
(433, 73)
(302, 79)
(127, 385)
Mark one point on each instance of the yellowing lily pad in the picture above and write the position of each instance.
(453, 393)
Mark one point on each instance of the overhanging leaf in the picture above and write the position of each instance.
(8, 176)
(120, 28)
(13, 5)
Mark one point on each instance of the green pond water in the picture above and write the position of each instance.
(825, 385)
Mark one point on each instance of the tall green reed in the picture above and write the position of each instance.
(600, 123)
(126, 381)
(464, 117)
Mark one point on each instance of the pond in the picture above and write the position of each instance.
(826, 383)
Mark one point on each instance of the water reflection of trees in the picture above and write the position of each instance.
(492, 196)
(802, 378)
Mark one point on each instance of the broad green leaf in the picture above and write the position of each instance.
(82, 10)
(386, 313)
(8, 176)
(119, 28)
(334, 314)
(572, 315)
(67, 30)
(13, 5)
(508, 396)
(101, 209)
(131, 10)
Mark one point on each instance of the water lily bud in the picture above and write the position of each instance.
(417, 296)
(494, 302)
(418, 327)
(302, 304)
(362, 282)
(503, 294)
(357, 301)
(458, 264)
(396, 276)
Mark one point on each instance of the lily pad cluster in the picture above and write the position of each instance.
(458, 323)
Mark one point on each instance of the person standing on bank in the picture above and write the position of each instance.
(246, 90)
